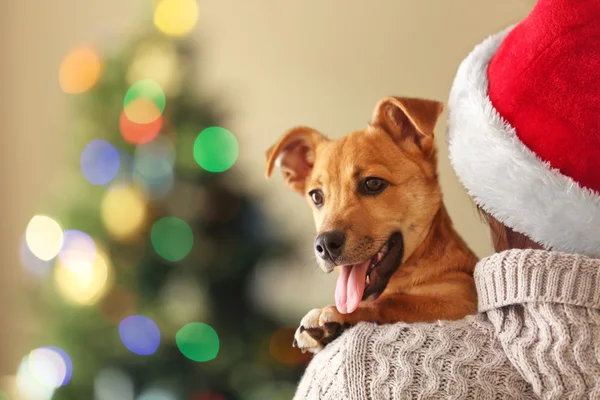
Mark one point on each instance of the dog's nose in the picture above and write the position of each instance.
(329, 245)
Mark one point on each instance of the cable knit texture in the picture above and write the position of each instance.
(537, 335)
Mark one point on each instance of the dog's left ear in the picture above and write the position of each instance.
(295, 155)
(409, 120)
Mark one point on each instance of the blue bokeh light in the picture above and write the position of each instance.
(153, 167)
(99, 162)
(140, 335)
(68, 363)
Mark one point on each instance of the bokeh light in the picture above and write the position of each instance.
(176, 17)
(280, 347)
(142, 111)
(124, 211)
(42, 371)
(67, 360)
(156, 189)
(139, 133)
(29, 387)
(99, 162)
(113, 384)
(160, 151)
(159, 61)
(172, 238)
(47, 367)
(198, 341)
(84, 282)
(140, 335)
(183, 300)
(145, 89)
(153, 167)
(78, 247)
(216, 149)
(157, 394)
(36, 267)
(3, 395)
(79, 71)
(44, 237)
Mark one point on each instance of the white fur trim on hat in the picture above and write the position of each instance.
(507, 179)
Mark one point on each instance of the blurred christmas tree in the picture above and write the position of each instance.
(148, 291)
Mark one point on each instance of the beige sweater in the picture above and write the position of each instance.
(537, 336)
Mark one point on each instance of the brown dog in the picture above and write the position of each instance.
(378, 209)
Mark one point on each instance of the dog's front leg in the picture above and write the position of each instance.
(402, 308)
(321, 326)
(312, 335)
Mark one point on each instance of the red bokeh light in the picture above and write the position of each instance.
(139, 133)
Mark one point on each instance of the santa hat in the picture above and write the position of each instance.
(524, 125)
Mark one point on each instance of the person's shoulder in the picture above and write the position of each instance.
(524, 276)
(366, 339)
(368, 357)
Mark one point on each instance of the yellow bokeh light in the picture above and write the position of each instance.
(123, 212)
(79, 71)
(160, 62)
(84, 282)
(142, 111)
(176, 17)
(44, 237)
(77, 248)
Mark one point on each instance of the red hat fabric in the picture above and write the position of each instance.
(524, 125)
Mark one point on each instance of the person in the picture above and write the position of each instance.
(524, 139)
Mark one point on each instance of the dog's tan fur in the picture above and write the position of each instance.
(434, 280)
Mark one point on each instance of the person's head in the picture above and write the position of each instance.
(524, 132)
(505, 238)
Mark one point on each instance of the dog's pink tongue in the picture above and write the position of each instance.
(350, 287)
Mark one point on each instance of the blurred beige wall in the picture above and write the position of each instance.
(276, 63)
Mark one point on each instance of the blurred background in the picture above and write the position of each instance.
(144, 256)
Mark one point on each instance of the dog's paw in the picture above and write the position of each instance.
(330, 315)
(318, 328)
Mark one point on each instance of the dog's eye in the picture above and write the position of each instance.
(373, 185)
(317, 197)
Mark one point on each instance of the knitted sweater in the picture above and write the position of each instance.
(537, 335)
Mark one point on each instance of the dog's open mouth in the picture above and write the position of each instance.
(368, 279)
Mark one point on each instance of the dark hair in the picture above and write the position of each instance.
(504, 237)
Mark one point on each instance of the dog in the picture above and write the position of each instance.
(380, 218)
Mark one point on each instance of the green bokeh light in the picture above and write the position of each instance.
(3, 395)
(172, 238)
(216, 149)
(198, 342)
(146, 89)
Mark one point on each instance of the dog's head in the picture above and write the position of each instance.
(373, 193)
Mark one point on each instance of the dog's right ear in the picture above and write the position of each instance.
(295, 155)
(409, 121)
